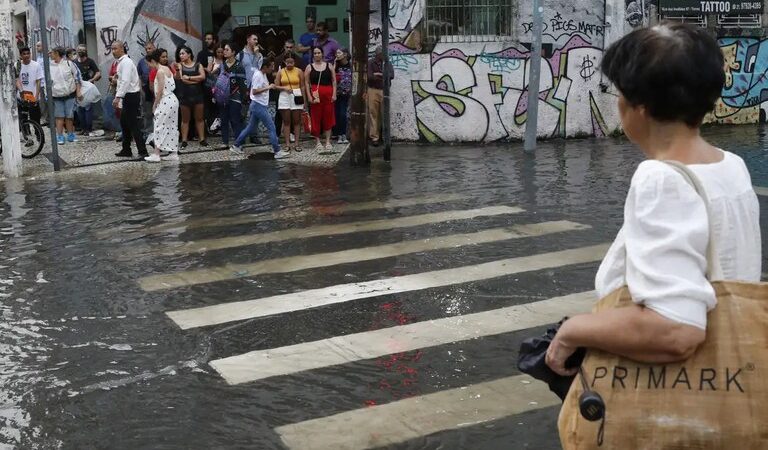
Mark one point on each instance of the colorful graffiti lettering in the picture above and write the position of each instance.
(746, 81)
(474, 98)
(557, 27)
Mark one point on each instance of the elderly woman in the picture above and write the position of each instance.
(668, 78)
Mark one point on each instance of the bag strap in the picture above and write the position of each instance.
(714, 269)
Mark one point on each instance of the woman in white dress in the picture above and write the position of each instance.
(667, 79)
(166, 111)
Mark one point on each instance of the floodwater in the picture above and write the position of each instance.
(89, 359)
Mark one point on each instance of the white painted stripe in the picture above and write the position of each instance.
(295, 263)
(297, 301)
(761, 191)
(337, 229)
(297, 213)
(337, 350)
(411, 418)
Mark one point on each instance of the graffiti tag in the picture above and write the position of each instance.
(108, 36)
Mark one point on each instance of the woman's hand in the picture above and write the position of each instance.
(557, 353)
(333, 99)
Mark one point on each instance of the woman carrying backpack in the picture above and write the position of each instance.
(65, 87)
(229, 93)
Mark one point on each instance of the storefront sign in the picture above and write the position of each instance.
(673, 7)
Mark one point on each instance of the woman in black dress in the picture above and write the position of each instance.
(189, 89)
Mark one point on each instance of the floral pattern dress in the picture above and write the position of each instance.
(166, 131)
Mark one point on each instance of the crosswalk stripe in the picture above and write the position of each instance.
(337, 229)
(295, 263)
(414, 417)
(313, 298)
(337, 350)
(761, 190)
(297, 213)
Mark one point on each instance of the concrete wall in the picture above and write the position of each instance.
(64, 23)
(169, 23)
(477, 92)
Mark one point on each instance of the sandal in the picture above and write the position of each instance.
(297, 148)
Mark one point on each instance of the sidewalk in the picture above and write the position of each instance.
(97, 155)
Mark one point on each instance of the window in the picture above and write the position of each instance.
(740, 21)
(468, 21)
(699, 21)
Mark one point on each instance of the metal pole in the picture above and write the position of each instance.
(359, 154)
(534, 72)
(48, 92)
(9, 113)
(385, 116)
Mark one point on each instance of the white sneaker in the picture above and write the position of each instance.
(97, 133)
(173, 156)
(282, 154)
(154, 157)
(236, 149)
(293, 138)
(215, 125)
(329, 147)
(341, 140)
(319, 147)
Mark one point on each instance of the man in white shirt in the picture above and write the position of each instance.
(259, 111)
(29, 82)
(128, 101)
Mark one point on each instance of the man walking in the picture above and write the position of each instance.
(327, 43)
(376, 94)
(89, 71)
(206, 57)
(147, 94)
(306, 40)
(29, 83)
(259, 111)
(128, 100)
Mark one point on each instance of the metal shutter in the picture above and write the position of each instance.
(89, 12)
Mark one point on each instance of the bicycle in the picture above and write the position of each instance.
(32, 133)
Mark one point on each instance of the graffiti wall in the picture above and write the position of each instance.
(169, 23)
(478, 91)
(745, 94)
(64, 23)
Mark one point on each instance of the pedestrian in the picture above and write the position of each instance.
(290, 104)
(165, 130)
(211, 72)
(328, 44)
(207, 57)
(29, 83)
(128, 101)
(252, 60)
(65, 88)
(375, 94)
(343, 70)
(190, 75)
(321, 90)
(668, 78)
(90, 72)
(305, 42)
(40, 59)
(218, 60)
(289, 50)
(147, 94)
(259, 111)
(230, 93)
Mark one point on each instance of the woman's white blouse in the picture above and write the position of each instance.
(660, 251)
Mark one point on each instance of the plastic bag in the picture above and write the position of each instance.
(90, 94)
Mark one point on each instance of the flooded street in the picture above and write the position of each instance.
(260, 304)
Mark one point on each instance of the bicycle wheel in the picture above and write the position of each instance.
(32, 139)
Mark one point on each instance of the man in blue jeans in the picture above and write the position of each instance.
(259, 111)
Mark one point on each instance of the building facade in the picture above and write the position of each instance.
(461, 68)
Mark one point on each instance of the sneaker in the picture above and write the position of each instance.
(118, 137)
(203, 143)
(236, 149)
(173, 156)
(71, 137)
(60, 139)
(341, 140)
(329, 147)
(215, 125)
(293, 138)
(282, 154)
(154, 157)
(319, 147)
(184, 144)
(97, 133)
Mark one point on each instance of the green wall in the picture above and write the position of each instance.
(296, 9)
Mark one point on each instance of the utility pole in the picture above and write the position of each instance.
(534, 72)
(385, 116)
(359, 154)
(9, 112)
(48, 85)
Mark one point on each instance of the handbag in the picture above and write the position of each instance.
(298, 99)
(717, 399)
(316, 92)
